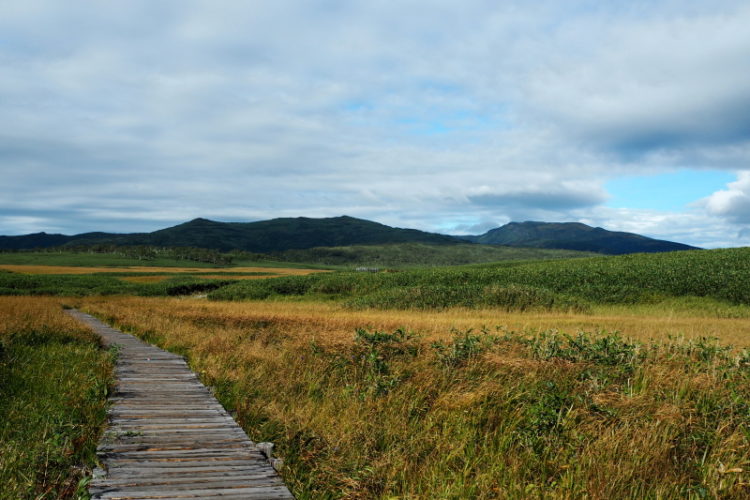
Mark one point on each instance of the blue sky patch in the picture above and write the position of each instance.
(669, 191)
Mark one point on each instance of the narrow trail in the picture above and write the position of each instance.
(168, 437)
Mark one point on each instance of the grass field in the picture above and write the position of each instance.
(616, 377)
(478, 403)
(577, 284)
(108, 260)
(45, 269)
(76, 259)
(133, 280)
(396, 255)
(53, 387)
(411, 255)
(158, 278)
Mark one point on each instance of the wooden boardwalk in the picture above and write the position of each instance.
(168, 437)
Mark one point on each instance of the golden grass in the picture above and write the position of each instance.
(332, 323)
(38, 313)
(357, 420)
(35, 269)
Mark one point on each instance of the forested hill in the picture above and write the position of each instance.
(275, 235)
(44, 240)
(574, 236)
(301, 233)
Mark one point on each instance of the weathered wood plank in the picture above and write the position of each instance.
(187, 483)
(249, 493)
(151, 464)
(167, 472)
(255, 493)
(168, 437)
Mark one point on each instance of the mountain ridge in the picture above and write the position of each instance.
(273, 235)
(298, 233)
(574, 236)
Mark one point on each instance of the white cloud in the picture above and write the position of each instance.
(438, 115)
(651, 82)
(733, 203)
(694, 227)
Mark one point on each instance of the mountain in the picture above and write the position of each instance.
(44, 240)
(279, 235)
(36, 240)
(574, 236)
(275, 235)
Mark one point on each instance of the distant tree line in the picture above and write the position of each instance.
(150, 252)
(146, 252)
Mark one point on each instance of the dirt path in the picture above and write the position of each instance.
(168, 437)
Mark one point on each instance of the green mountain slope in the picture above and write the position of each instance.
(44, 240)
(275, 235)
(574, 236)
(301, 233)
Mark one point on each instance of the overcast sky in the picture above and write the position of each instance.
(438, 115)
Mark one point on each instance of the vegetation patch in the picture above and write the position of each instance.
(405, 255)
(510, 298)
(721, 275)
(493, 413)
(100, 256)
(53, 387)
(79, 285)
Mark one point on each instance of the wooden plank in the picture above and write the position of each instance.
(212, 481)
(151, 464)
(196, 471)
(168, 437)
(252, 493)
(249, 493)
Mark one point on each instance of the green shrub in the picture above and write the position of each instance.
(604, 349)
(721, 275)
(464, 347)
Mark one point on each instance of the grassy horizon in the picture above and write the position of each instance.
(393, 255)
(90, 259)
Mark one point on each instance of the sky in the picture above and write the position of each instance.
(454, 117)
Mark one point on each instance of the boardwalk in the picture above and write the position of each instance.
(168, 437)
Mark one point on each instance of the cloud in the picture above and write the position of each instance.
(694, 227)
(436, 115)
(562, 197)
(733, 203)
(651, 82)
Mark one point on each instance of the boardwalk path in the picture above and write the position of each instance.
(168, 437)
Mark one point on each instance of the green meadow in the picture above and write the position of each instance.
(586, 377)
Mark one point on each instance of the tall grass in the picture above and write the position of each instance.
(492, 413)
(629, 279)
(72, 258)
(101, 284)
(53, 386)
(403, 255)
